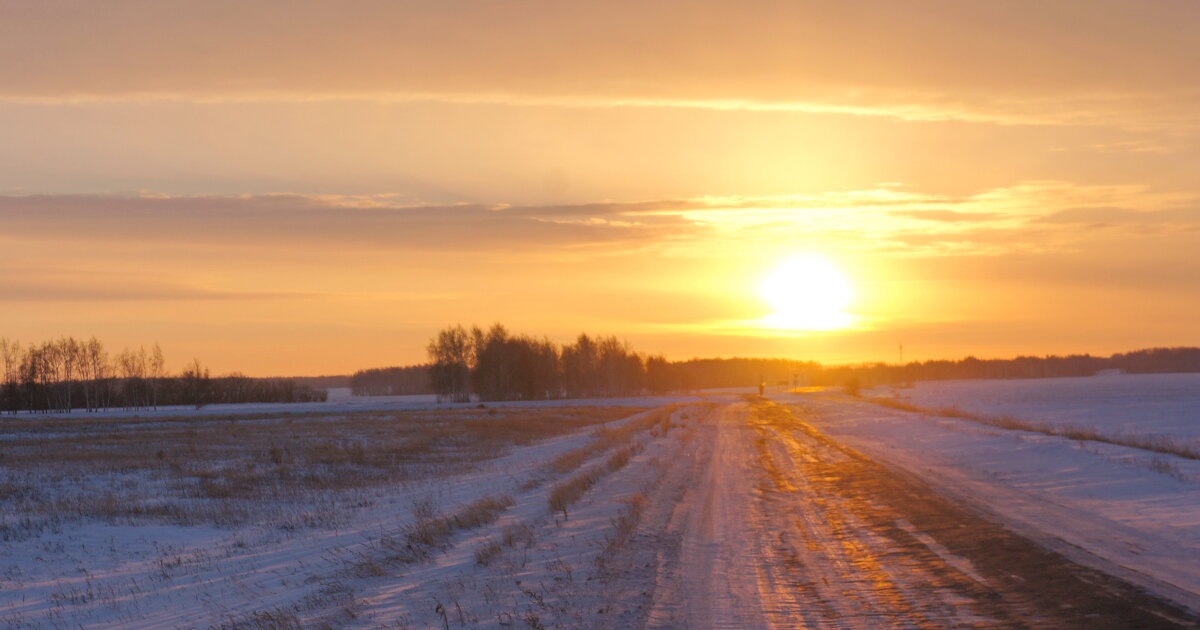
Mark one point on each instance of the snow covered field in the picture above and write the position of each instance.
(716, 511)
(341, 401)
(282, 521)
(1166, 404)
(1129, 511)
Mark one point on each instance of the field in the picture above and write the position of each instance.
(727, 510)
(1101, 468)
(1158, 404)
(260, 520)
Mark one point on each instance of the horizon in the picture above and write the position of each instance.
(819, 364)
(321, 192)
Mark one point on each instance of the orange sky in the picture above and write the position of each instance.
(306, 188)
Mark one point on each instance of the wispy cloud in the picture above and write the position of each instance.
(1131, 111)
(295, 221)
(1016, 218)
(660, 268)
(1106, 215)
(923, 60)
(24, 284)
(949, 216)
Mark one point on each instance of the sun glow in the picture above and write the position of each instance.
(808, 292)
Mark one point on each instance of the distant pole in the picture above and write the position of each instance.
(901, 354)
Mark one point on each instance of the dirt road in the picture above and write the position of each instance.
(766, 523)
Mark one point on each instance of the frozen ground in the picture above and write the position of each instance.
(780, 527)
(1166, 404)
(350, 404)
(712, 512)
(1129, 511)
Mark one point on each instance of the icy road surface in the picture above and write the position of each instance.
(778, 526)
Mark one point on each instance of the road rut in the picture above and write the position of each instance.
(770, 524)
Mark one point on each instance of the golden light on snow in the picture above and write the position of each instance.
(808, 292)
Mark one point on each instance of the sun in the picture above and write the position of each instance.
(808, 292)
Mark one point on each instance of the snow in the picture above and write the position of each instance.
(716, 544)
(1166, 404)
(1126, 511)
(343, 402)
(125, 574)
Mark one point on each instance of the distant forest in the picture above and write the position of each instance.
(320, 382)
(392, 381)
(67, 373)
(498, 365)
(495, 364)
(1148, 361)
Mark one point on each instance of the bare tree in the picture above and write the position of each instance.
(157, 367)
(94, 372)
(10, 361)
(10, 358)
(38, 373)
(581, 367)
(132, 366)
(450, 354)
(196, 383)
(70, 357)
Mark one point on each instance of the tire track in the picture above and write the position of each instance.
(770, 524)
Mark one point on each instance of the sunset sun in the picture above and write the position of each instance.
(807, 292)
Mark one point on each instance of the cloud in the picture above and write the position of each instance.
(63, 285)
(294, 221)
(1067, 61)
(260, 264)
(637, 208)
(948, 216)
(1020, 218)
(1121, 216)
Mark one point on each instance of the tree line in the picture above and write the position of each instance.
(1146, 361)
(498, 365)
(392, 381)
(495, 364)
(65, 374)
(741, 372)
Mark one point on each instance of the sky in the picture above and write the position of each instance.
(286, 188)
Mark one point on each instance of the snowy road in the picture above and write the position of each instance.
(773, 525)
(715, 582)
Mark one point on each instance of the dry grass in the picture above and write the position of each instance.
(278, 619)
(624, 525)
(487, 552)
(430, 533)
(285, 470)
(1164, 466)
(482, 512)
(659, 423)
(568, 492)
(517, 533)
